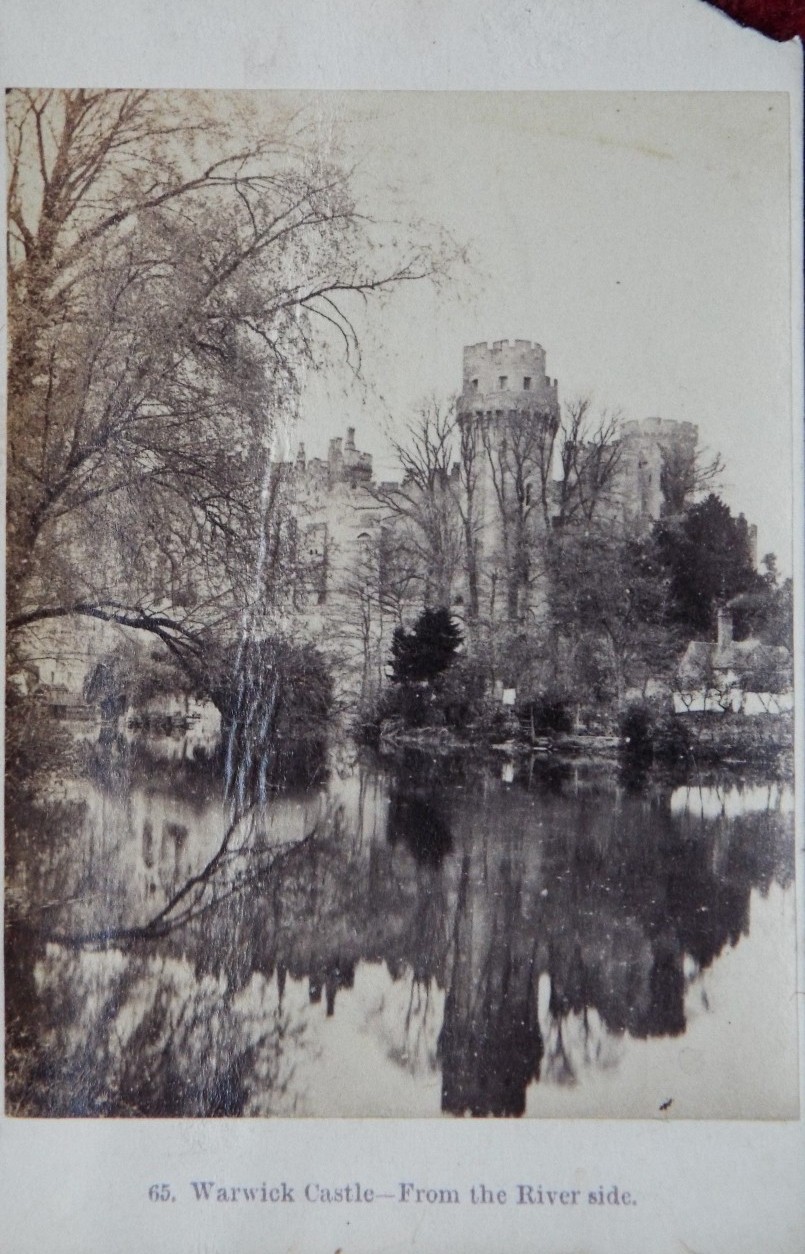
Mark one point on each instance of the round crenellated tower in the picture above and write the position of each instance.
(509, 404)
(506, 376)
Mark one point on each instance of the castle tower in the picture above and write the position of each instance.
(509, 403)
(657, 468)
(507, 376)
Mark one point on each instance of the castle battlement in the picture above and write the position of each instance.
(507, 375)
(664, 430)
(498, 346)
(344, 464)
(347, 462)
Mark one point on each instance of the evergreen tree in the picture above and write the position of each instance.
(708, 557)
(423, 654)
(768, 611)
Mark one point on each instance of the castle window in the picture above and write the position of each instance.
(475, 385)
(503, 382)
(527, 383)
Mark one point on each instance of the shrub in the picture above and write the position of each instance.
(461, 697)
(545, 715)
(653, 733)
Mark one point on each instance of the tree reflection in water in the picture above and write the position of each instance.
(156, 951)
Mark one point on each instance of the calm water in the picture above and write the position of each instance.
(412, 937)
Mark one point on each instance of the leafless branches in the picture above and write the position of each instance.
(425, 503)
(687, 475)
(173, 263)
(229, 871)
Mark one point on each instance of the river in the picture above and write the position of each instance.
(410, 936)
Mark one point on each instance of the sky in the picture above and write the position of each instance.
(642, 239)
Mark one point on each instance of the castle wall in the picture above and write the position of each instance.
(504, 388)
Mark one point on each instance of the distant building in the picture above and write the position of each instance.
(728, 663)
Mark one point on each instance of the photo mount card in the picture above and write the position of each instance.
(278, 851)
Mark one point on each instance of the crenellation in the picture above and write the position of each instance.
(505, 385)
(505, 366)
(660, 428)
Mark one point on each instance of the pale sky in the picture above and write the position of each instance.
(642, 239)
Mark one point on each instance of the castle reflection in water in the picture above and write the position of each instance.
(446, 928)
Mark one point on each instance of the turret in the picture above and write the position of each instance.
(506, 396)
(348, 464)
(507, 375)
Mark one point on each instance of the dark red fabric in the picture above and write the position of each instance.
(781, 19)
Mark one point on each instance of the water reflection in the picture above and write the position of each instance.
(458, 935)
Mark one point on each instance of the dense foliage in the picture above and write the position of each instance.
(423, 654)
(707, 554)
(275, 697)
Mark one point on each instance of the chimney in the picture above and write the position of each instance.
(724, 629)
(300, 457)
(350, 440)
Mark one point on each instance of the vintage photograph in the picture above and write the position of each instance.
(399, 678)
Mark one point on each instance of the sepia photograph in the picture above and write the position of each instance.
(399, 625)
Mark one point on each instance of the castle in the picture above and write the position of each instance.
(504, 493)
(365, 556)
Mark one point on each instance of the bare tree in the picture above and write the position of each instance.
(685, 476)
(465, 494)
(173, 262)
(425, 502)
(377, 590)
(361, 623)
(590, 453)
(517, 450)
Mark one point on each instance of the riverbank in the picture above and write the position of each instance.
(709, 739)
